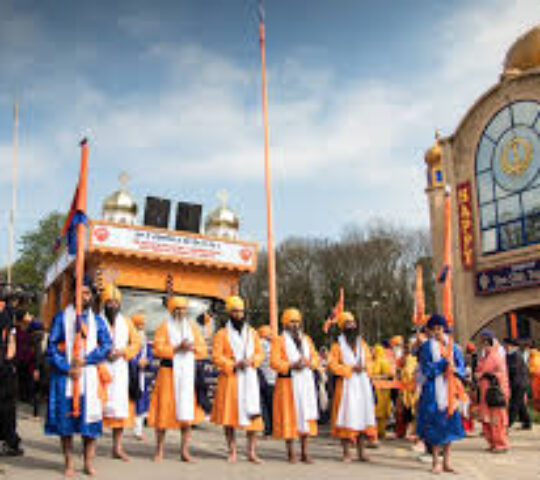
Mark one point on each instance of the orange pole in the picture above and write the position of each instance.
(79, 267)
(447, 299)
(420, 303)
(513, 326)
(272, 287)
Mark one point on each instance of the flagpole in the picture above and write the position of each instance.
(13, 191)
(272, 287)
(80, 209)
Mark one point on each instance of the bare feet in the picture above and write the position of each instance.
(255, 459)
(449, 469)
(158, 457)
(186, 457)
(346, 458)
(363, 457)
(120, 455)
(90, 470)
(436, 469)
(306, 459)
(69, 470)
(232, 457)
(292, 458)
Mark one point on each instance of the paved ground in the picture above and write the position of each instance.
(394, 460)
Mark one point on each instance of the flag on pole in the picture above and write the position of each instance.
(336, 311)
(78, 227)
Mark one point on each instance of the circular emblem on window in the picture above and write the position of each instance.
(516, 159)
(101, 234)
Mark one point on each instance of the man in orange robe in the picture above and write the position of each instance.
(177, 343)
(237, 353)
(294, 358)
(118, 412)
(353, 410)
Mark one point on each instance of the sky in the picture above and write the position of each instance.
(169, 91)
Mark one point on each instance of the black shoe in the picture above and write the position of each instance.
(14, 452)
(526, 427)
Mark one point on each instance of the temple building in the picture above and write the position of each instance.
(491, 165)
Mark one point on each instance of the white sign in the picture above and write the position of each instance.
(58, 267)
(168, 244)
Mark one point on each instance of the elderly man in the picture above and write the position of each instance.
(66, 369)
(295, 396)
(119, 411)
(353, 412)
(237, 353)
(177, 343)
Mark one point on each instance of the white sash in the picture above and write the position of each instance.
(441, 384)
(303, 383)
(183, 370)
(242, 345)
(357, 406)
(144, 354)
(117, 405)
(88, 381)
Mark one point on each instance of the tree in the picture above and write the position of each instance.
(37, 251)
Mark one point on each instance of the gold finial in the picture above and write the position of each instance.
(223, 198)
(124, 179)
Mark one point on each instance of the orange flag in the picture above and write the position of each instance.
(338, 309)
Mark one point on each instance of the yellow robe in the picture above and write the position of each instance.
(131, 350)
(341, 370)
(162, 411)
(409, 393)
(284, 418)
(382, 368)
(225, 407)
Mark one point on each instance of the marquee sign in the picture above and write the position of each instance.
(508, 277)
(466, 239)
(169, 245)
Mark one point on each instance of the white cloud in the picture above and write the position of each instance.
(199, 118)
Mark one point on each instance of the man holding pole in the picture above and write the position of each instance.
(70, 373)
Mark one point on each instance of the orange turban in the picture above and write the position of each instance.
(265, 331)
(110, 292)
(234, 303)
(290, 315)
(396, 341)
(138, 319)
(343, 317)
(176, 302)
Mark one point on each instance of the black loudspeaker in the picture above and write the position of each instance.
(188, 217)
(156, 212)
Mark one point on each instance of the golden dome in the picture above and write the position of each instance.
(434, 154)
(222, 217)
(524, 54)
(120, 201)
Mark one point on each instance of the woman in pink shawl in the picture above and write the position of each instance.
(492, 363)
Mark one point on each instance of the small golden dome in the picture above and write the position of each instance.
(434, 154)
(120, 201)
(524, 54)
(222, 218)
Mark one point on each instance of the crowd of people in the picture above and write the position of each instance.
(425, 388)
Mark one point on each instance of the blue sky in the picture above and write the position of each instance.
(170, 92)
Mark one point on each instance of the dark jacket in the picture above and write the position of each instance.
(518, 373)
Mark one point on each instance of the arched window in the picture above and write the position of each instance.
(508, 178)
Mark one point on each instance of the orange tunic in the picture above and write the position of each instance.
(162, 411)
(339, 368)
(284, 420)
(133, 347)
(225, 407)
(534, 370)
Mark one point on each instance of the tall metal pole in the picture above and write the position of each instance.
(272, 287)
(13, 191)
